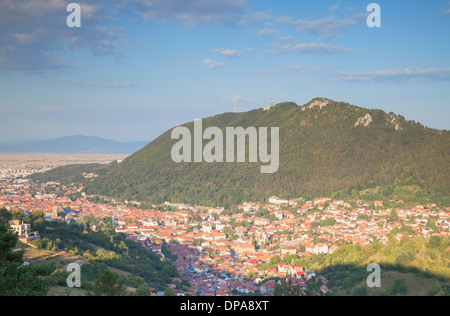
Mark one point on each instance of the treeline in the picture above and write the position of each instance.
(72, 173)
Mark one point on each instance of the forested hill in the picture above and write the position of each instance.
(326, 148)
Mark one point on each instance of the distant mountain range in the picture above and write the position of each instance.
(72, 144)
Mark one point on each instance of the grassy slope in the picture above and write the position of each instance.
(62, 259)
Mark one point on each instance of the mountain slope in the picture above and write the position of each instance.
(72, 144)
(326, 148)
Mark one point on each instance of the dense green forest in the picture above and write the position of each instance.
(323, 151)
(71, 173)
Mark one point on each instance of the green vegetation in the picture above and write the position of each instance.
(109, 284)
(413, 267)
(104, 248)
(16, 277)
(322, 153)
(346, 267)
(71, 173)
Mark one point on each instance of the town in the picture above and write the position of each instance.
(222, 252)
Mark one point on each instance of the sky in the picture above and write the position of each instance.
(136, 68)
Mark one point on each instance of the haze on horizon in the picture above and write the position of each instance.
(135, 68)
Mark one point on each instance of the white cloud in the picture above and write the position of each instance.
(291, 70)
(33, 32)
(304, 68)
(228, 52)
(325, 28)
(268, 32)
(237, 98)
(255, 18)
(213, 64)
(311, 48)
(395, 75)
(190, 12)
(329, 28)
(285, 38)
(335, 6)
(182, 61)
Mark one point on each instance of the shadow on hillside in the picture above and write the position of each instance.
(351, 279)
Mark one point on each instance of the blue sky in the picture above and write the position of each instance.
(136, 68)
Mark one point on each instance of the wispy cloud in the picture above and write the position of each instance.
(268, 32)
(325, 28)
(329, 28)
(255, 18)
(304, 68)
(311, 48)
(395, 75)
(237, 98)
(447, 11)
(190, 12)
(291, 70)
(182, 61)
(213, 64)
(335, 6)
(271, 33)
(228, 52)
(104, 84)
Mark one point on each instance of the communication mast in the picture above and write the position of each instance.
(271, 103)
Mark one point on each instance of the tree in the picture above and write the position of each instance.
(109, 284)
(5, 215)
(393, 217)
(38, 243)
(39, 225)
(275, 260)
(399, 287)
(143, 290)
(17, 279)
(360, 291)
(169, 292)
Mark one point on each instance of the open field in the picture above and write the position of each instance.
(39, 256)
(46, 159)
